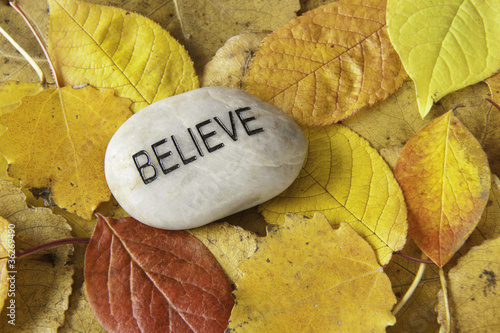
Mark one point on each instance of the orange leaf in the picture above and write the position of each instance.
(142, 279)
(445, 178)
(327, 64)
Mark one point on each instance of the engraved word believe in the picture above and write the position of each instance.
(147, 168)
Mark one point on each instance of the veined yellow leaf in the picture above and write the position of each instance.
(4, 257)
(348, 181)
(445, 45)
(445, 178)
(57, 140)
(111, 48)
(328, 63)
(307, 277)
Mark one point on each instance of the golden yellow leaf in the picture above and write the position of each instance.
(307, 277)
(79, 317)
(445, 178)
(230, 245)
(231, 61)
(327, 64)
(13, 67)
(112, 48)
(445, 45)
(348, 181)
(43, 280)
(472, 290)
(6, 248)
(206, 25)
(57, 140)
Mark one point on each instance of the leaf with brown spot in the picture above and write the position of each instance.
(142, 279)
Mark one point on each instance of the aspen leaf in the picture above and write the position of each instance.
(327, 64)
(143, 279)
(43, 280)
(472, 290)
(230, 245)
(57, 140)
(445, 178)
(307, 277)
(231, 61)
(206, 25)
(445, 45)
(4, 257)
(346, 179)
(112, 48)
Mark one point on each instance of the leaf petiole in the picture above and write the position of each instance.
(48, 245)
(37, 36)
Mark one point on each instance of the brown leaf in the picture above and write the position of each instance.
(140, 278)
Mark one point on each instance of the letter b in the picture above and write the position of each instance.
(142, 167)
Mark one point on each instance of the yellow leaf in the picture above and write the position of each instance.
(231, 61)
(111, 48)
(307, 277)
(79, 318)
(347, 180)
(206, 25)
(445, 45)
(6, 248)
(473, 291)
(43, 280)
(327, 64)
(230, 245)
(57, 140)
(445, 178)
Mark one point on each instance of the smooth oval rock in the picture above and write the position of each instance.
(194, 158)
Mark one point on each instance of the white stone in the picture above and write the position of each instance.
(197, 184)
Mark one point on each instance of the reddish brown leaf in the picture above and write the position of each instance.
(142, 279)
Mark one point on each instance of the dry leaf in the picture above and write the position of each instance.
(474, 299)
(307, 5)
(231, 61)
(13, 67)
(6, 248)
(140, 278)
(123, 50)
(327, 64)
(57, 140)
(494, 85)
(348, 181)
(206, 25)
(230, 245)
(79, 317)
(445, 45)
(43, 281)
(306, 276)
(445, 178)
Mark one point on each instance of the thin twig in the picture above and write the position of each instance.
(30, 60)
(44, 49)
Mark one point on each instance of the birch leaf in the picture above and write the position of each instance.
(109, 47)
(57, 140)
(445, 178)
(308, 277)
(346, 179)
(207, 24)
(445, 45)
(327, 64)
(43, 280)
(473, 297)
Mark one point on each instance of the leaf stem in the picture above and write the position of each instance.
(30, 60)
(51, 244)
(423, 261)
(444, 288)
(411, 290)
(37, 36)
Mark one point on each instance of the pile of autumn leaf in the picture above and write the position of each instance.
(319, 267)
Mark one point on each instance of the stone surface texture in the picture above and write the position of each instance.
(193, 158)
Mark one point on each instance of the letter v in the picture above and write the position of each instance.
(233, 135)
